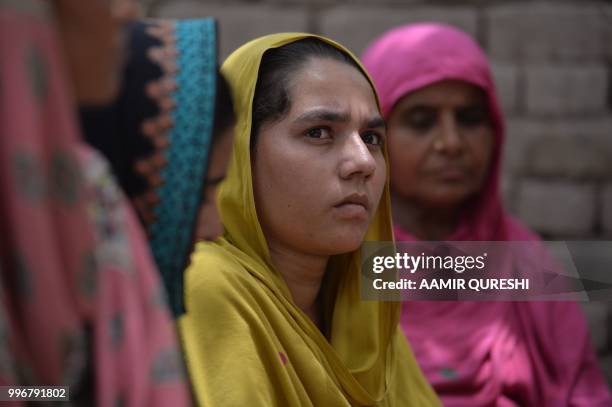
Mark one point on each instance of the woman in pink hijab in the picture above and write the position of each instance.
(81, 301)
(446, 134)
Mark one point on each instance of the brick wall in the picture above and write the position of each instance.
(552, 61)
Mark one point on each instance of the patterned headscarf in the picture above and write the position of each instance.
(158, 135)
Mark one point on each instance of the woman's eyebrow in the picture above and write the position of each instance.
(421, 106)
(475, 105)
(376, 122)
(323, 114)
(329, 115)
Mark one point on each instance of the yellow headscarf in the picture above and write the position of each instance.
(246, 342)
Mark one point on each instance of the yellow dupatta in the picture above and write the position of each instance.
(246, 342)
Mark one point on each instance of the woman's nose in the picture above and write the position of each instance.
(448, 140)
(357, 158)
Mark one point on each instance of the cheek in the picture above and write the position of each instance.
(380, 175)
(401, 162)
(94, 44)
(481, 148)
(405, 159)
(272, 176)
(209, 225)
(290, 196)
(284, 183)
(125, 11)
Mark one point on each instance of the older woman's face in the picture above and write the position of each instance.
(440, 144)
(319, 172)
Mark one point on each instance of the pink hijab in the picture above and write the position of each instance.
(81, 304)
(474, 353)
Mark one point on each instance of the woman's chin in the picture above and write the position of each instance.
(345, 242)
(446, 199)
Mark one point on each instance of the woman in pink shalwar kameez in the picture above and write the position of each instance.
(473, 353)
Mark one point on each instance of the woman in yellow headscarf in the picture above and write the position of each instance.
(273, 310)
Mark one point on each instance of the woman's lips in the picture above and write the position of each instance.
(353, 206)
(351, 211)
(451, 174)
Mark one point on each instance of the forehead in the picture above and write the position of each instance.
(448, 93)
(330, 83)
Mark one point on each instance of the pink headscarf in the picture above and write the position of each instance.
(81, 304)
(474, 353)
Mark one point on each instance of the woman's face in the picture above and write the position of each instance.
(94, 44)
(209, 226)
(319, 172)
(440, 144)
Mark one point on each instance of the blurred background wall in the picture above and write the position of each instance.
(552, 62)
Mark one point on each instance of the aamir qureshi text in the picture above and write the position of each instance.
(457, 264)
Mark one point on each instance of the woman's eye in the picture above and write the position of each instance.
(472, 116)
(372, 138)
(318, 133)
(421, 120)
